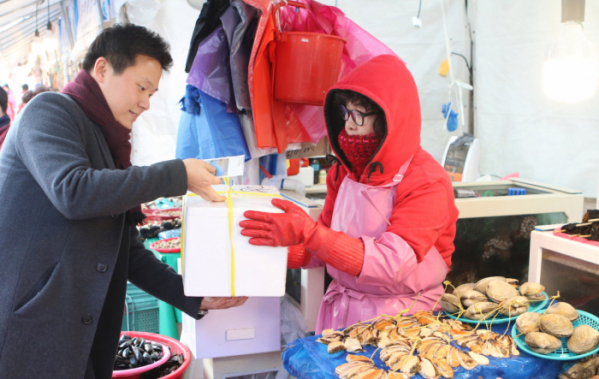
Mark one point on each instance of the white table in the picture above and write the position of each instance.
(546, 246)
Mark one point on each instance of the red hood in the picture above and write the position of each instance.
(386, 81)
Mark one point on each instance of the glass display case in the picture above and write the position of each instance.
(493, 229)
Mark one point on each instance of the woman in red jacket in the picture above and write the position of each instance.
(387, 228)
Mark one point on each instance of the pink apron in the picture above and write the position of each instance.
(391, 277)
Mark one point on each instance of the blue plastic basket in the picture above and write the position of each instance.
(501, 319)
(563, 353)
(141, 311)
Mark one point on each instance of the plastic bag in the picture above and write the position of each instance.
(293, 324)
(206, 130)
(211, 72)
(361, 46)
(170, 234)
(225, 128)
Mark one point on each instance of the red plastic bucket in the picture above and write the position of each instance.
(306, 65)
(175, 346)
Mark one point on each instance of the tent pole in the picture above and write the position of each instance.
(67, 23)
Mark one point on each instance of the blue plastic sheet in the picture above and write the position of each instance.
(307, 359)
(206, 130)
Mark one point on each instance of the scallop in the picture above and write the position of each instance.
(542, 343)
(450, 303)
(515, 306)
(500, 290)
(556, 325)
(563, 309)
(481, 285)
(533, 291)
(528, 322)
(583, 340)
(473, 297)
(480, 311)
(460, 290)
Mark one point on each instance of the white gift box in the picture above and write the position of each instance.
(206, 247)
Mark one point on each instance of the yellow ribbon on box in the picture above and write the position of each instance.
(227, 194)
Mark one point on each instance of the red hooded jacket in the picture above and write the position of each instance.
(424, 213)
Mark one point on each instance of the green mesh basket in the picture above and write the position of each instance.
(141, 311)
(501, 319)
(563, 353)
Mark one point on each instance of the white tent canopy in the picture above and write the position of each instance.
(18, 24)
(520, 129)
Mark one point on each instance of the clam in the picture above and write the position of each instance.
(450, 303)
(443, 368)
(358, 358)
(533, 291)
(335, 347)
(514, 306)
(500, 290)
(563, 309)
(480, 311)
(472, 297)
(556, 325)
(427, 370)
(542, 343)
(410, 366)
(583, 340)
(460, 290)
(353, 345)
(396, 375)
(512, 282)
(528, 322)
(370, 373)
(481, 285)
(480, 359)
(466, 361)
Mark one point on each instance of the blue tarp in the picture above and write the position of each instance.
(307, 359)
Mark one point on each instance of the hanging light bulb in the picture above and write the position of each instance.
(571, 68)
(37, 48)
(50, 41)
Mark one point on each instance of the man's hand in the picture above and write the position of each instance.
(221, 302)
(200, 179)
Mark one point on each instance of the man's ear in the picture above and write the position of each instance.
(101, 69)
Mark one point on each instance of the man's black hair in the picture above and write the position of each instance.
(122, 43)
(3, 100)
(25, 87)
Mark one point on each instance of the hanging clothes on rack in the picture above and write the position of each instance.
(211, 72)
(207, 130)
(241, 43)
(208, 20)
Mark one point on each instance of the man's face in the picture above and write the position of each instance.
(128, 93)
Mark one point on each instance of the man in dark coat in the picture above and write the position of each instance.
(69, 205)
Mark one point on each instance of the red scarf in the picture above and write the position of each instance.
(86, 92)
(358, 150)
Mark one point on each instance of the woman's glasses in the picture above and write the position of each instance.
(355, 114)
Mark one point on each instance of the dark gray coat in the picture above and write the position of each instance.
(65, 252)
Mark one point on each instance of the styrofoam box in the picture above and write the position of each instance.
(250, 329)
(259, 270)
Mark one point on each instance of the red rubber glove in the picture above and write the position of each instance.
(294, 227)
(298, 257)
